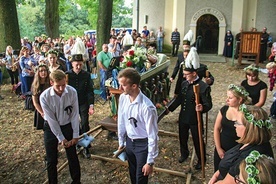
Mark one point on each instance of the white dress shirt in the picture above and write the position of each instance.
(142, 110)
(54, 107)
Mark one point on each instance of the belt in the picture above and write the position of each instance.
(138, 140)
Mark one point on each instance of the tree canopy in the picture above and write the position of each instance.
(75, 16)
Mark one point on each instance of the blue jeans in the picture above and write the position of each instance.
(26, 83)
(159, 44)
(68, 65)
(102, 83)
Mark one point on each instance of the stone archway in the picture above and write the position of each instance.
(222, 24)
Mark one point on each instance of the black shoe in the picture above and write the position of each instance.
(1, 98)
(183, 158)
(112, 135)
(86, 153)
(198, 165)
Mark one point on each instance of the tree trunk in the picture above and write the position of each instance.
(52, 18)
(104, 22)
(9, 29)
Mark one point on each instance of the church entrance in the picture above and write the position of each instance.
(207, 34)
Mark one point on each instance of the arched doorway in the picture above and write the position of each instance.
(207, 29)
(211, 15)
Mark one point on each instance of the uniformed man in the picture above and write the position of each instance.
(188, 113)
(81, 81)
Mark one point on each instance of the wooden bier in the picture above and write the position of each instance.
(250, 45)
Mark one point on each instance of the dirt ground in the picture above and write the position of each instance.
(22, 151)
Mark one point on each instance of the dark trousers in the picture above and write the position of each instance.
(13, 76)
(137, 153)
(84, 124)
(51, 144)
(175, 48)
(83, 109)
(184, 137)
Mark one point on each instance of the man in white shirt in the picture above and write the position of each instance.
(61, 113)
(137, 126)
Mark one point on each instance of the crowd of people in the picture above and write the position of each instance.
(58, 75)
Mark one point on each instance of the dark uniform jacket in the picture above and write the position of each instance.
(201, 72)
(186, 99)
(83, 84)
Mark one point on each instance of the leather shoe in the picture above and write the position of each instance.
(183, 158)
(86, 153)
(198, 166)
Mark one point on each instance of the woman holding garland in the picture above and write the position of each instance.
(257, 168)
(40, 83)
(253, 129)
(256, 88)
(224, 130)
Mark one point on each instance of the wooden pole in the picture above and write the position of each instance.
(196, 91)
(189, 175)
(207, 74)
(157, 169)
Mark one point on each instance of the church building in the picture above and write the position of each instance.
(207, 18)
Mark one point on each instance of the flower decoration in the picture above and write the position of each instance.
(250, 167)
(238, 89)
(250, 118)
(135, 58)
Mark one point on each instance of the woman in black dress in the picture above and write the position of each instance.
(40, 83)
(256, 88)
(228, 44)
(253, 127)
(224, 131)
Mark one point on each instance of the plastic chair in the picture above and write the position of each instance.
(98, 98)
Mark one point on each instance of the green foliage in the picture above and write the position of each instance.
(75, 16)
(31, 20)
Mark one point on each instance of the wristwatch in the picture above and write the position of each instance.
(151, 164)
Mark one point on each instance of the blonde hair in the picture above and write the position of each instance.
(7, 50)
(253, 134)
(270, 65)
(240, 93)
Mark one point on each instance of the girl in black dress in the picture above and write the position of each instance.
(256, 88)
(40, 83)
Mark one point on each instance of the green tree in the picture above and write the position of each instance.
(9, 31)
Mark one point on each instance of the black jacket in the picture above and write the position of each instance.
(83, 83)
(186, 99)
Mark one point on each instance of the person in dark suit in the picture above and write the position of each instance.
(202, 71)
(188, 113)
(81, 81)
